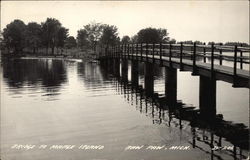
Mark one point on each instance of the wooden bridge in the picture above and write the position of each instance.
(210, 63)
(219, 62)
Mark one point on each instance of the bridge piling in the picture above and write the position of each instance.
(207, 96)
(125, 70)
(171, 86)
(149, 79)
(117, 67)
(134, 72)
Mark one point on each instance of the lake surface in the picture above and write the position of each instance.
(69, 102)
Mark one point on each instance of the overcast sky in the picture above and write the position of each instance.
(218, 21)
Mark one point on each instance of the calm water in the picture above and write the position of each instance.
(69, 102)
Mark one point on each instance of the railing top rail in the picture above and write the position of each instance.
(216, 46)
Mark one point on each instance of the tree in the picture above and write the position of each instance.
(163, 34)
(152, 35)
(2, 44)
(134, 39)
(50, 30)
(82, 38)
(125, 39)
(187, 42)
(109, 35)
(94, 33)
(237, 43)
(70, 42)
(172, 41)
(62, 35)
(199, 42)
(33, 36)
(14, 35)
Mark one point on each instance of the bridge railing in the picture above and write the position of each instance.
(238, 55)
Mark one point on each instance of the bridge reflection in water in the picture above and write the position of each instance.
(206, 126)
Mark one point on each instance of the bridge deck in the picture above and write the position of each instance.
(225, 73)
(219, 68)
(186, 57)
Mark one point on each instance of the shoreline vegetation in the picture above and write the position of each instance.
(86, 55)
(51, 39)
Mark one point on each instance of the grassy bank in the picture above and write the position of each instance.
(76, 53)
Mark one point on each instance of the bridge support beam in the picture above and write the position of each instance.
(149, 78)
(171, 86)
(125, 70)
(134, 72)
(207, 97)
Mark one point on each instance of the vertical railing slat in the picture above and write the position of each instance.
(235, 60)
(204, 53)
(212, 60)
(170, 54)
(136, 51)
(132, 52)
(220, 54)
(141, 51)
(181, 55)
(153, 52)
(241, 58)
(161, 54)
(194, 58)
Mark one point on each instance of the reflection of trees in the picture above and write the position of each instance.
(34, 72)
(91, 74)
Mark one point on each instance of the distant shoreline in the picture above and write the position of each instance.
(70, 54)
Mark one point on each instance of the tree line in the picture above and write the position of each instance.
(51, 34)
(216, 43)
(95, 34)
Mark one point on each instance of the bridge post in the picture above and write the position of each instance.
(161, 62)
(207, 97)
(241, 58)
(220, 54)
(136, 53)
(212, 60)
(204, 53)
(141, 51)
(181, 56)
(170, 55)
(194, 60)
(125, 70)
(149, 78)
(171, 86)
(153, 52)
(135, 72)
